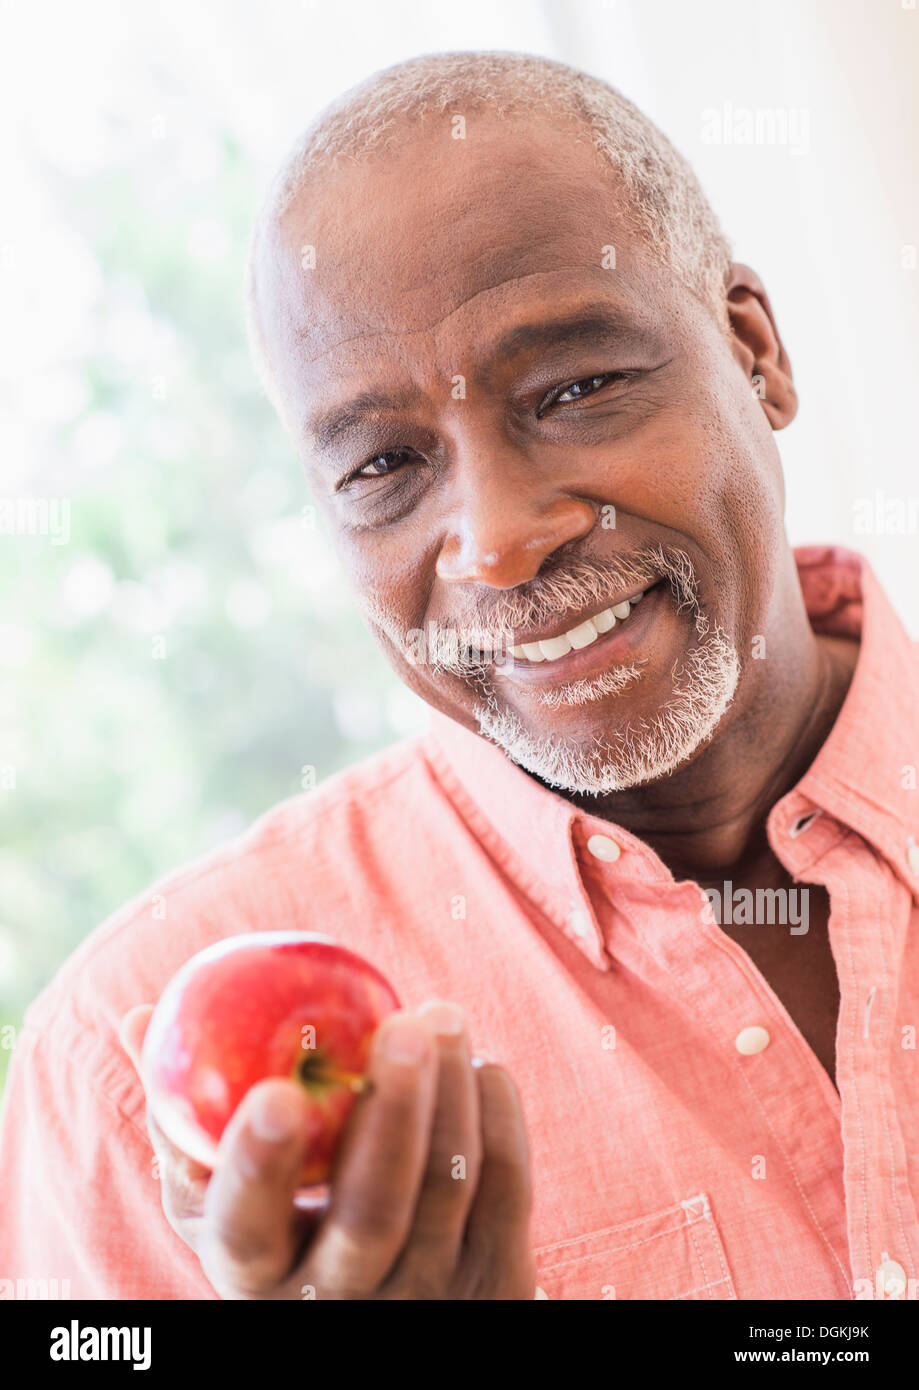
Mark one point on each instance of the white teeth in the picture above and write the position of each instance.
(583, 635)
(552, 648)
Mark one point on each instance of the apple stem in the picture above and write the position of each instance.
(354, 1080)
(350, 1078)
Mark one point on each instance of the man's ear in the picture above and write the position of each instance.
(758, 347)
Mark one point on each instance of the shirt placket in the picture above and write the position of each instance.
(776, 1074)
(869, 909)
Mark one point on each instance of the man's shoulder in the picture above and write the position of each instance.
(311, 862)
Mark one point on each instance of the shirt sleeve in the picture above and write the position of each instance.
(81, 1212)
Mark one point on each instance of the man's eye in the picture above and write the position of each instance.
(579, 389)
(381, 464)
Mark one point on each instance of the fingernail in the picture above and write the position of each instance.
(446, 1019)
(405, 1040)
(273, 1116)
(481, 1061)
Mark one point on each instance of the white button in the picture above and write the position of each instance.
(602, 847)
(891, 1278)
(540, 1293)
(749, 1041)
(579, 923)
(912, 855)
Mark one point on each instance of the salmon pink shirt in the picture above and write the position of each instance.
(686, 1142)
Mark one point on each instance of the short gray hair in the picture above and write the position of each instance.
(666, 200)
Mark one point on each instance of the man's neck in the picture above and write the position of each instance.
(711, 815)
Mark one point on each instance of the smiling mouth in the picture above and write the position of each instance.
(587, 632)
(593, 646)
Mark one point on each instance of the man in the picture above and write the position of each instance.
(647, 886)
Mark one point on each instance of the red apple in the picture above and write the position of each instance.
(261, 1005)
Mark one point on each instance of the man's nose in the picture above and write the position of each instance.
(504, 524)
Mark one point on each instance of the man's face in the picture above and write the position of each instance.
(516, 420)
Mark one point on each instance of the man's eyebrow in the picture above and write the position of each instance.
(325, 428)
(591, 323)
(585, 325)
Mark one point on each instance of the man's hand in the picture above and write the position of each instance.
(430, 1196)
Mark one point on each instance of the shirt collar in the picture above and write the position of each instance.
(864, 775)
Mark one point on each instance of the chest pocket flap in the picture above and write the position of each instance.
(673, 1254)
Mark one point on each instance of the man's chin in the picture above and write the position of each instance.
(605, 699)
(599, 737)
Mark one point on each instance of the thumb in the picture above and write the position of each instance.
(131, 1031)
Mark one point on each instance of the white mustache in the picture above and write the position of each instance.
(468, 646)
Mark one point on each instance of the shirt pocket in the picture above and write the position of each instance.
(675, 1253)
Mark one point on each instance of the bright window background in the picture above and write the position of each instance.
(169, 672)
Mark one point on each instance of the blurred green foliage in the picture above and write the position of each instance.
(176, 664)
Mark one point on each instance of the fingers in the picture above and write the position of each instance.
(252, 1232)
(183, 1184)
(429, 1258)
(183, 1181)
(497, 1257)
(431, 1193)
(381, 1164)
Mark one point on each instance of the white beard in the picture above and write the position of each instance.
(703, 688)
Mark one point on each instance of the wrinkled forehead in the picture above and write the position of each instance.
(450, 238)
